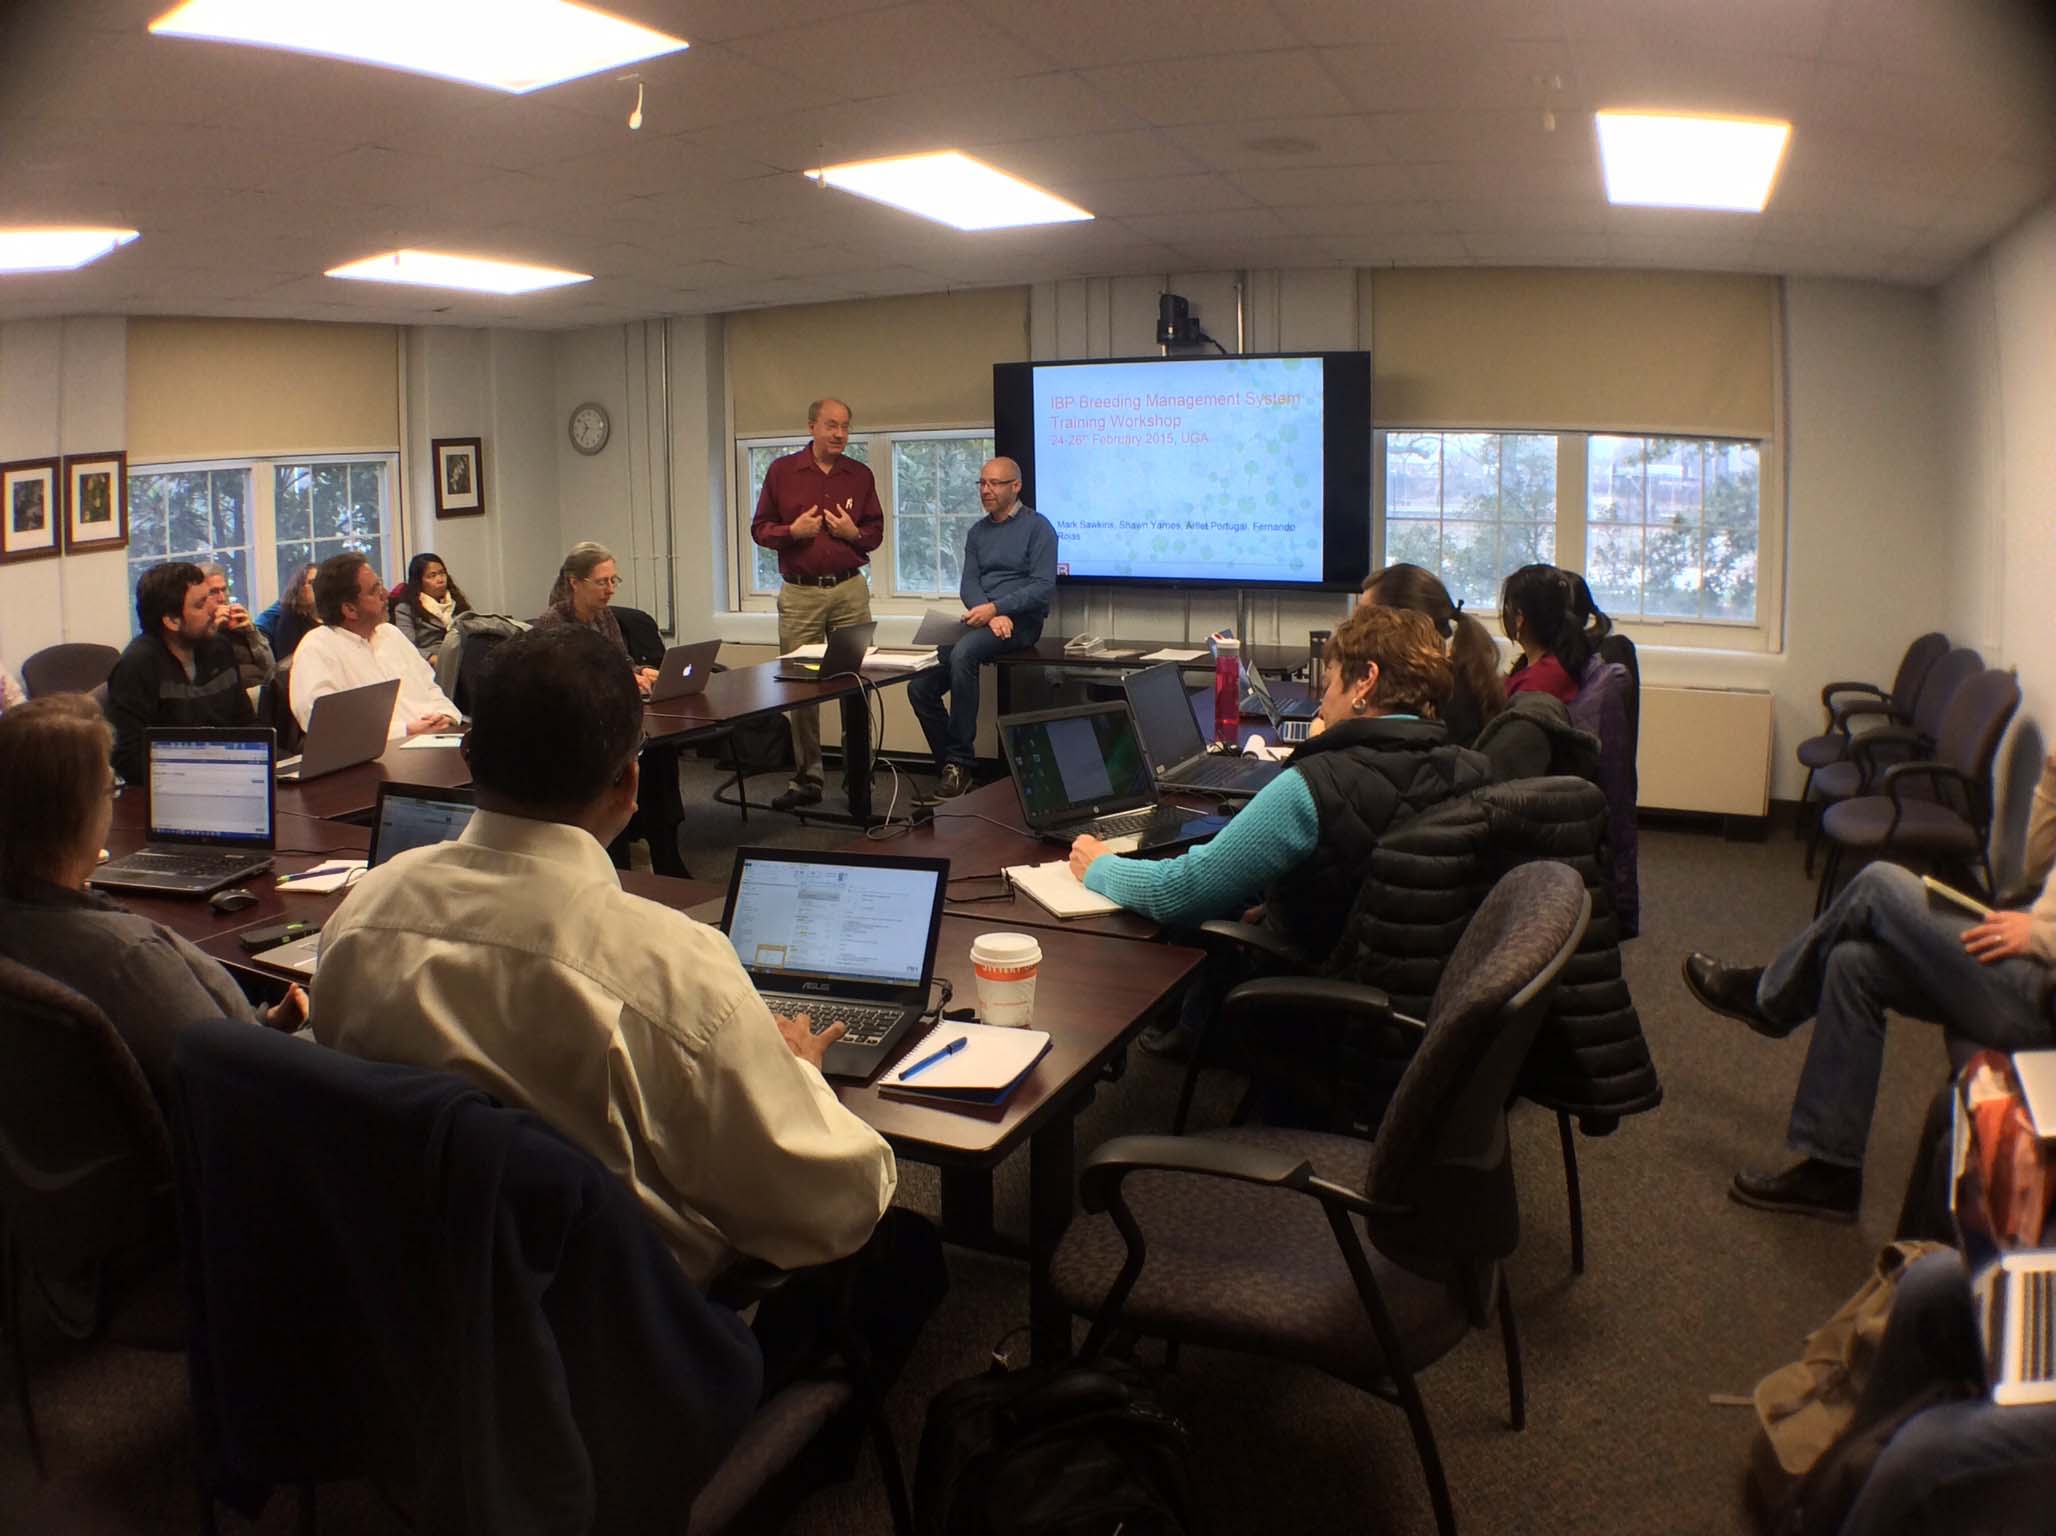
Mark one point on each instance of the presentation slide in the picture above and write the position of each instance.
(1206, 470)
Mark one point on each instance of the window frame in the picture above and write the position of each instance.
(1765, 633)
(262, 512)
(886, 598)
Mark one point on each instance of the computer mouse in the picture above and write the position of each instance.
(232, 901)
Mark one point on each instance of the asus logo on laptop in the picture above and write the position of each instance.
(813, 986)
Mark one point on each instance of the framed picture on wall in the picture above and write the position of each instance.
(95, 500)
(459, 476)
(30, 507)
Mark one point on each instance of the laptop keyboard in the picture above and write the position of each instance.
(863, 1023)
(187, 861)
(1213, 769)
(1126, 822)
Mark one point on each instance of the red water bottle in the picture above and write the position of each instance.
(1227, 690)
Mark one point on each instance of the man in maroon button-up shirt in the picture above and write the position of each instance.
(819, 510)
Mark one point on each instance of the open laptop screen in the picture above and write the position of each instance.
(1163, 714)
(850, 918)
(1077, 761)
(208, 788)
(414, 817)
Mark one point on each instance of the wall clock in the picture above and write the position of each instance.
(590, 427)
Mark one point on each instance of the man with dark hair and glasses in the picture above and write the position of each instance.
(178, 671)
(1010, 579)
(513, 957)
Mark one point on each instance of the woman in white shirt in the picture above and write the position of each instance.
(426, 605)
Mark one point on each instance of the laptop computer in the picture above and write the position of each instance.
(1171, 741)
(839, 936)
(843, 653)
(1257, 699)
(684, 671)
(1081, 770)
(211, 812)
(343, 730)
(2013, 1289)
(408, 816)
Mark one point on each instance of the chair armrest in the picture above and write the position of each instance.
(1207, 1157)
(1871, 749)
(1250, 938)
(1842, 714)
(1901, 773)
(1827, 694)
(1317, 995)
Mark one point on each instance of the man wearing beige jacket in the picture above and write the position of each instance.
(1886, 943)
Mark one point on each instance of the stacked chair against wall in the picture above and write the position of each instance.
(1609, 706)
(1934, 812)
(86, 1216)
(1366, 1259)
(1868, 753)
(75, 667)
(1849, 703)
(446, 1297)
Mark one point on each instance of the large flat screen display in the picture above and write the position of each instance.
(1225, 471)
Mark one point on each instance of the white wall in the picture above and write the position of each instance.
(1999, 344)
(499, 386)
(63, 389)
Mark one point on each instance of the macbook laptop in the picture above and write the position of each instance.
(408, 816)
(1171, 741)
(844, 653)
(684, 671)
(1288, 725)
(210, 812)
(343, 730)
(2013, 1289)
(839, 936)
(1081, 770)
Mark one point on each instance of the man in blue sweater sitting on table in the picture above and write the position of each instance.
(1010, 577)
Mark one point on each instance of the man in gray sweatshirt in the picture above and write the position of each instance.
(1010, 579)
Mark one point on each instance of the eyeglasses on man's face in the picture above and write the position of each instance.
(983, 483)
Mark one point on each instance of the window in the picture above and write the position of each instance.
(928, 486)
(262, 519)
(1672, 527)
(1670, 531)
(1470, 506)
(201, 515)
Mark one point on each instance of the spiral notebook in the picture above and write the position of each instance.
(987, 1070)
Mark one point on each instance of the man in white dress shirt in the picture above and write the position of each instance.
(355, 645)
(512, 956)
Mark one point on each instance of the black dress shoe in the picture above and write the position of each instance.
(796, 796)
(1809, 1188)
(1730, 989)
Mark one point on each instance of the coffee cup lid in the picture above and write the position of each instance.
(1006, 949)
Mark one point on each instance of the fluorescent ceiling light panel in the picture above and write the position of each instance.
(473, 274)
(510, 45)
(57, 250)
(1658, 160)
(951, 188)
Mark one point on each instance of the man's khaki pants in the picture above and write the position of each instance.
(806, 614)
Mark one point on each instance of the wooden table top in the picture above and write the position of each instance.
(354, 791)
(742, 693)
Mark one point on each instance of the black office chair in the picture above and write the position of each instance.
(1846, 703)
(86, 1216)
(74, 667)
(394, 1277)
(1253, 1239)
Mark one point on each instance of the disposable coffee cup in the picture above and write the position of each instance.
(1005, 965)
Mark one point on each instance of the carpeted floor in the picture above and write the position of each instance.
(1685, 1294)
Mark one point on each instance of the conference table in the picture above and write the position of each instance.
(1094, 993)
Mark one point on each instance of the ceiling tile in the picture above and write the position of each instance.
(1421, 77)
(1084, 33)
(1513, 215)
(897, 50)
(1573, 180)
(701, 88)
(1158, 194)
(1233, 224)
(1454, 23)
(1305, 187)
(1362, 218)
(1400, 248)
(1662, 77)
(1684, 27)
(1069, 159)
(1497, 137)
(1287, 142)
(1529, 249)
(1230, 89)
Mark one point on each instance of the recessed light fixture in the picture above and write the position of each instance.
(510, 45)
(951, 188)
(57, 250)
(1663, 160)
(473, 274)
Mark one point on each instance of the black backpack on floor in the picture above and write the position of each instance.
(1086, 1448)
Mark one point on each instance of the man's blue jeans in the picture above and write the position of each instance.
(952, 732)
(1957, 1461)
(1883, 944)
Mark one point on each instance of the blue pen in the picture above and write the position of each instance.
(928, 1061)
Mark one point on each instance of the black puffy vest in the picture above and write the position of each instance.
(1366, 776)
